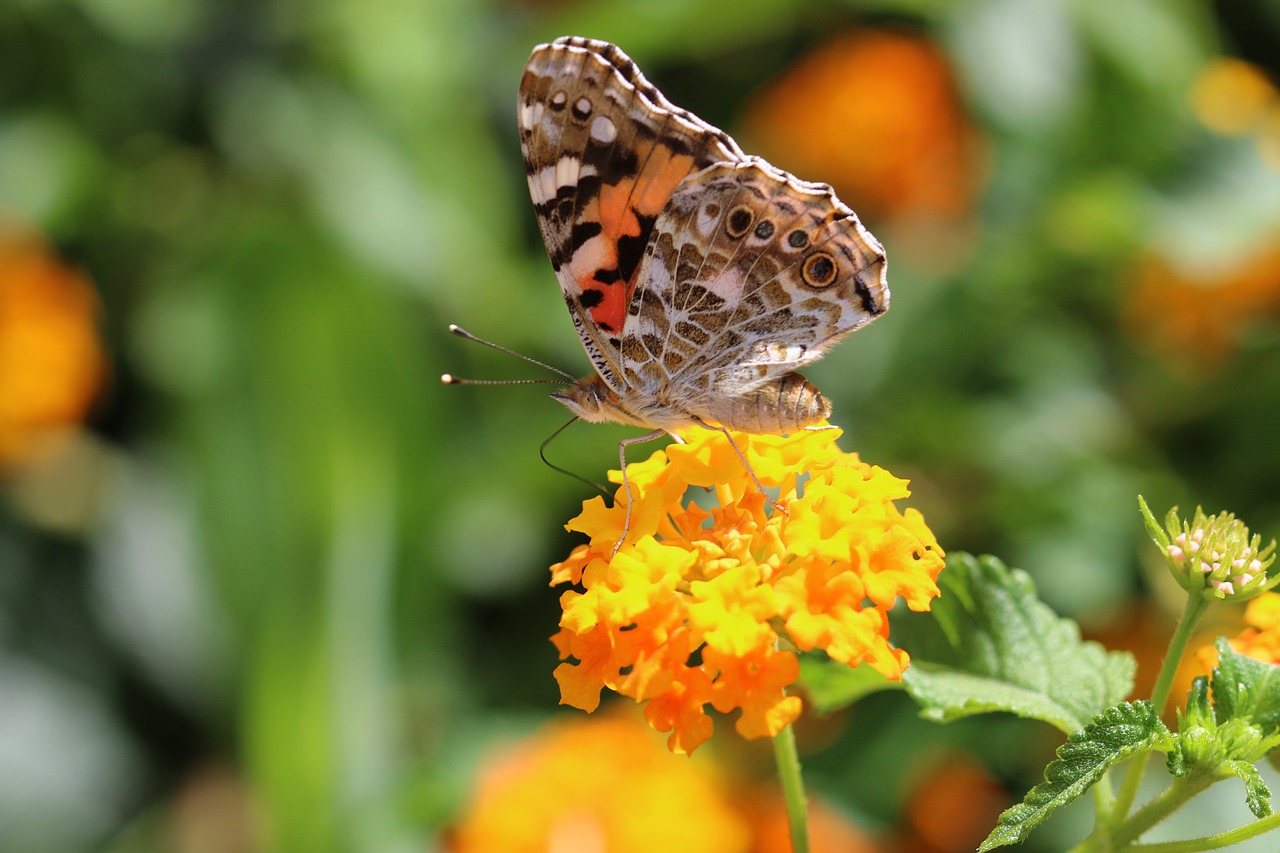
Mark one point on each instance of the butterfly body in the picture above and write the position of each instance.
(783, 406)
(699, 278)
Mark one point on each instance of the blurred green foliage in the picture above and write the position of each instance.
(312, 569)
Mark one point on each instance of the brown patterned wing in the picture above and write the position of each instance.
(750, 274)
(604, 151)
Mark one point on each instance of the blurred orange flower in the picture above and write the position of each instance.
(877, 115)
(599, 785)
(1236, 98)
(1231, 96)
(51, 359)
(952, 807)
(1261, 640)
(703, 607)
(605, 784)
(1200, 317)
(829, 830)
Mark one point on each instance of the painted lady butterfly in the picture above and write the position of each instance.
(698, 277)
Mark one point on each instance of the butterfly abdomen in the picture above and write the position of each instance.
(785, 405)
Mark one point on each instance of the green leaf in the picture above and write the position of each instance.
(831, 685)
(1114, 735)
(1247, 689)
(1256, 793)
(990, 645)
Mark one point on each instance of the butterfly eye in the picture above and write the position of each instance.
(764, 230)
(738, 221)
(797, 239)
(819, 269)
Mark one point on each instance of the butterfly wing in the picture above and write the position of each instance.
(603, 151)
(750, 273)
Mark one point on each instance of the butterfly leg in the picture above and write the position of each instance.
(745, 464)
(626, 485)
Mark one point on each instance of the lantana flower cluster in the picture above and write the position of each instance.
(709, 606)
(1215, 556)
(1187, 552)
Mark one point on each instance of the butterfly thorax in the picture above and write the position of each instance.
(592, 399)
(783, 405)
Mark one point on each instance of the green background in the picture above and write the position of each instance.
(311, 563)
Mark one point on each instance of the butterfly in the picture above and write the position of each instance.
(699, 278)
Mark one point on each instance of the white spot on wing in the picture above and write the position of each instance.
(728, 285)
(531, 114)
(567, 171)
(603, 130)
(589, 257)
(548, 180)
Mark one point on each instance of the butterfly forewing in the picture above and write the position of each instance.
(604, 151)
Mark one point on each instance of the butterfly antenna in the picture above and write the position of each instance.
(450, 379)
(542, 451)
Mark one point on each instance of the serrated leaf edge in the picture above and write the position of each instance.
(1018, 821)
(1257, 796)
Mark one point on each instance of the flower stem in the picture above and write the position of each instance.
(1161, 806)
(1215, 842)
(1191, 614)
(784, 751)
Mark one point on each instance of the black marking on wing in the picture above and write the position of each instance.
(581, 233)
(611, 162)
(631, 249)
(869, 303)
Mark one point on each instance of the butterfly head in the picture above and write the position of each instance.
(590, 399)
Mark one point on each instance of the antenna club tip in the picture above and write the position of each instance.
(448, 379)
(454, 328)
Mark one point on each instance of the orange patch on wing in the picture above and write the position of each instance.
(619, 207)
(664, 171)
(601, 252)
(616, 216)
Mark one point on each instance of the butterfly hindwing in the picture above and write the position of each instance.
(750, 274)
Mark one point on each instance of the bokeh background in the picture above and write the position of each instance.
(266, 585)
